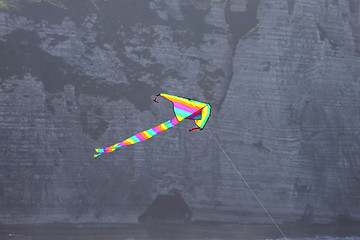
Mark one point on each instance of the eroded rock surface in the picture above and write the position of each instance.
(283, 78)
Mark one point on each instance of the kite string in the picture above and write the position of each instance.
(247, 185)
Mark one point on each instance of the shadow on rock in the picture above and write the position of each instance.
(167, 208)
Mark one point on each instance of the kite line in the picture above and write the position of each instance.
(247, 185)
(184, 108)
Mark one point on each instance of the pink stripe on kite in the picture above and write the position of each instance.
(140, 137)
(185, 107)
(157, 129)
(174, 121)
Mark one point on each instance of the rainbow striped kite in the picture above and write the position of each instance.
(184, 108)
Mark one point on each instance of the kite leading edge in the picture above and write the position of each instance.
(184, 108)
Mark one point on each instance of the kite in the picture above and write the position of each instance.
(184, 108)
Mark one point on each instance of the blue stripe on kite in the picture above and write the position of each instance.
(151, 132)
(182, 113)
(168, 124)
(135, 139)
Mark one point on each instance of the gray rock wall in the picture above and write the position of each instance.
(285, 96)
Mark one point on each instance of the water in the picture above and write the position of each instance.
(174, 232)
(321, 238)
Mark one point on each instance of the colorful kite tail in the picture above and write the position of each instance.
(140, 136)
(99, 151)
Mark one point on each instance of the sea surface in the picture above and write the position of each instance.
(60, 231)
(321, 238)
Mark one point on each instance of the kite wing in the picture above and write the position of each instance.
(184, 108)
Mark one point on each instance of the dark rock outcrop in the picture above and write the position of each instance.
(167, 208)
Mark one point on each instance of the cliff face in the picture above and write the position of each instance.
(75, 76)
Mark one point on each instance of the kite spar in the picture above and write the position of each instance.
(184, 108)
